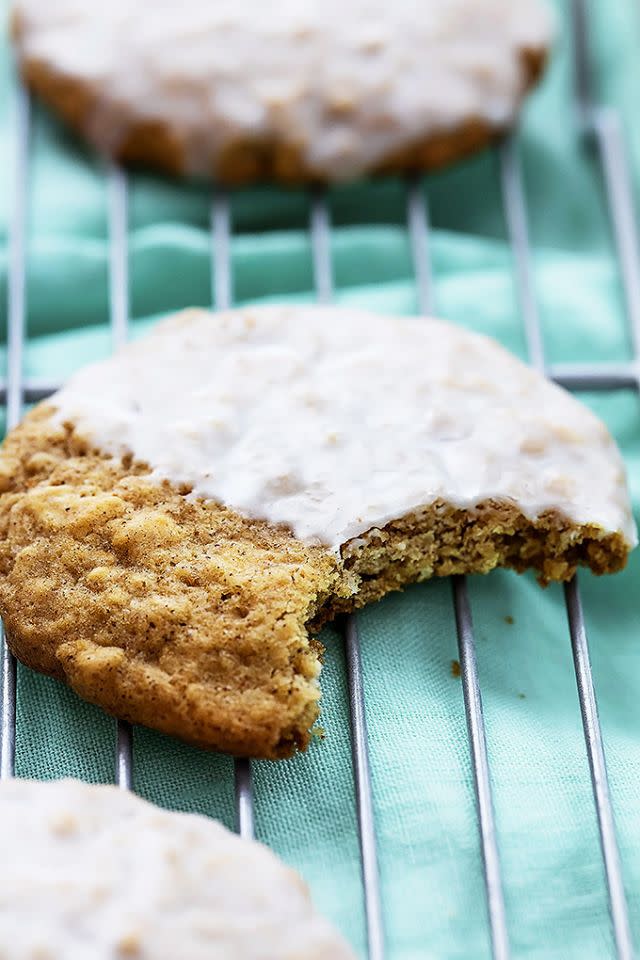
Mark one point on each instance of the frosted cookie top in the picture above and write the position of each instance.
(98, 873)
(333, 421)
(342, 85)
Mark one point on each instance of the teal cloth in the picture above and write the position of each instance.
(432, 888)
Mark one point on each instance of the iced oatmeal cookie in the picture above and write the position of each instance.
(98, 873)
(315, 91)
(178, 520)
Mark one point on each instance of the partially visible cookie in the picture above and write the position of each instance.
(313, 91)
(178, 518)
(94, 872)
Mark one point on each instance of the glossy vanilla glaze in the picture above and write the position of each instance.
(343, 85)
(97, 873)
(335, 421)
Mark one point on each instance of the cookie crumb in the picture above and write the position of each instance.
(455, 668)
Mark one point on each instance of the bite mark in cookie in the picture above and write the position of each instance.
(179, 519)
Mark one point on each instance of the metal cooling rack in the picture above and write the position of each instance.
(600, 128)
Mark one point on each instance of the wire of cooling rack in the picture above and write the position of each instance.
(222, 298)
(578, 376)
(418, 224)
(320, 231)
(516, 219)
(419, 236)
(481, 772)
(16, 313)
(118, 219)
(601, 127)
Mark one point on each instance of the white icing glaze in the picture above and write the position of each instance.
(346, 84)
(334, 421)
(96, 873)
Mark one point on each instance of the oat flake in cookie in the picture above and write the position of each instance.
(315, 90)
(168, 553)
(96, 873)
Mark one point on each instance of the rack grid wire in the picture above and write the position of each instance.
(600, 129)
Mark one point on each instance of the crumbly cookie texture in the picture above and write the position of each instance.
(169, 553)
(218, 88)
(109, 876)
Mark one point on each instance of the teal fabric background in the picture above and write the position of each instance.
(428, 844)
